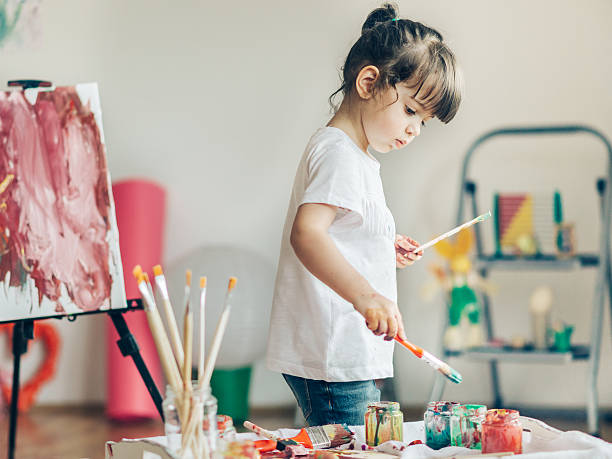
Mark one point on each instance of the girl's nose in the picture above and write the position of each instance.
(414, 129)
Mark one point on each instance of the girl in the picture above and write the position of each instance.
(335, 291)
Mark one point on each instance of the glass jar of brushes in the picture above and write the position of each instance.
(187, 416)
(209, 417)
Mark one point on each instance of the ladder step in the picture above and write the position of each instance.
(508, 354)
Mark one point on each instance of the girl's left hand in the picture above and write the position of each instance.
(406, 251)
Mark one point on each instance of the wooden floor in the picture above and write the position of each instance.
(59, 432)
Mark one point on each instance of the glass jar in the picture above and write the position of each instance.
(225, 427)
(383, 422)
(437, 424)
(174, 419)
(209, 418)
(466, 425)
(502, 432)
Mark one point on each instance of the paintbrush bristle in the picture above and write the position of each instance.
(202, 281)
(137, 271)
(451, 374)
(339, 434)
(146, 277)
(188, 277)
(232, 283)
(483, 217)
(157, 270)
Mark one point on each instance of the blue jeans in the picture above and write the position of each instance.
(325, 402)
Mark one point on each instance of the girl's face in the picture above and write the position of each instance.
(393, 118)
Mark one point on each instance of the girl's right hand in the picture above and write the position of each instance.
(381, 314)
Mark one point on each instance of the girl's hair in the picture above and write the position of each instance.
(406, 52)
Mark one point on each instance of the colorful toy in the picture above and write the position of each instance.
(530, 224)
(462, 299)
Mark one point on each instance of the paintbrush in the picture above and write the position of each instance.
(186, 369)
(317, 437)
(432, 360)
(162, 344)
(480, 218)
(187, 288)
(157, 331)
(219, 332)
(202, 330)
(274, 442)
(175, 338)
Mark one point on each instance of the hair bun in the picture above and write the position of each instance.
(385, 13)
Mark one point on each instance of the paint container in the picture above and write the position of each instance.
(502, 432)
(437, 423)
(466, 425)
(172, 421)
(383, 422)
(225, 427)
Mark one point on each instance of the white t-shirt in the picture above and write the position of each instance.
(314, 333)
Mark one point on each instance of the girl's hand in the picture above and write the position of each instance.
(381, 314)
(406, 252)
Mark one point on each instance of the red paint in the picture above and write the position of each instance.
(502, 432)
(56, 210)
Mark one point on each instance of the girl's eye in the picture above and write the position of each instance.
(412, 112)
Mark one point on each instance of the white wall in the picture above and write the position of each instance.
(216, 101)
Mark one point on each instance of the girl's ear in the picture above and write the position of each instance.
(364, 83)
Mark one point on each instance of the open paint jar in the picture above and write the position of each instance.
(502, 432)
(437, 423)
(383, 422)
(466, 425)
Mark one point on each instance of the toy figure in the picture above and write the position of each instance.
(460, 282)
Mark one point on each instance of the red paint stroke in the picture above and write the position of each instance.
(54, 214)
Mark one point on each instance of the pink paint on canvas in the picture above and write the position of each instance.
(57, 224)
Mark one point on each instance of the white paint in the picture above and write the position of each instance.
(216, 101)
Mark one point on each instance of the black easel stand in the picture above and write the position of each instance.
(129, 348)
(23, 331)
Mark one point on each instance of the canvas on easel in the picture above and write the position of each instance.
(59, 245)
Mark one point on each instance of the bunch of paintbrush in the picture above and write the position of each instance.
(176, 356)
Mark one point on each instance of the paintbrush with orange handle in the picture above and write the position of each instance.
(432, 360)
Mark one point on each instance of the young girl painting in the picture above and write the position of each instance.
(335, 310)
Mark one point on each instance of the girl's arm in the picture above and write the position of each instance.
(318, 253)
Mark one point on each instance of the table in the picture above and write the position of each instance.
(541, 441)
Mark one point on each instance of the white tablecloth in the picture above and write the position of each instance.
(543, 442)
